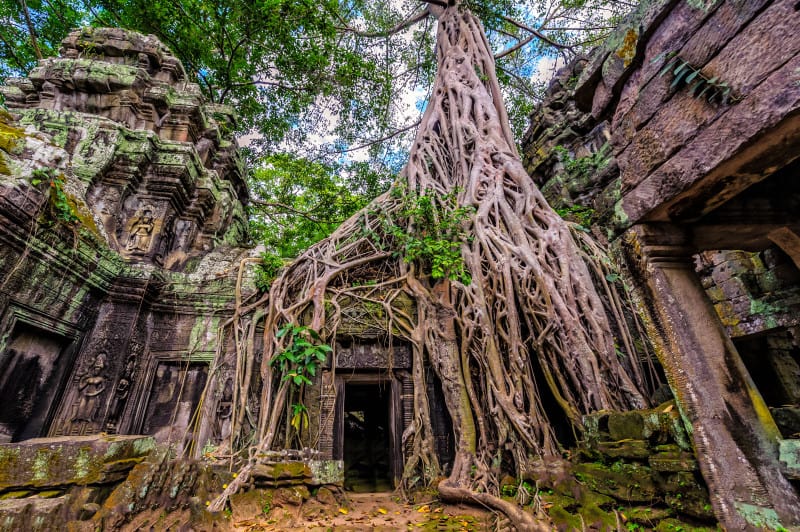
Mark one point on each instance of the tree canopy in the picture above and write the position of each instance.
(339, 83)
(319, 75)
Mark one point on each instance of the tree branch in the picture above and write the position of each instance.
(413, 19)
(11, 51)
(514, 48)
(376, 141)
(290, 209)
(535, 33)
(31, 30)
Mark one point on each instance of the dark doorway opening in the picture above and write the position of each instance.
(773, 361)
(32, 374)
(367, 435)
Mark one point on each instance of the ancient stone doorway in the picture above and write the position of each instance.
(367, 432)
(174, 394)
(32, 373)
(773, 361)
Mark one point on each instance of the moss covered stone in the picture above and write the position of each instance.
(50, 462)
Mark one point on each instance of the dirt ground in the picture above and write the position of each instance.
(373, 511)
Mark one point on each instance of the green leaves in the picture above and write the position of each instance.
(50, 20)
(700, 86)
(297, 202)
(431, 230)
(267, 270)
(302, 357)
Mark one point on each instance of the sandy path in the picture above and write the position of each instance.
(373, 511)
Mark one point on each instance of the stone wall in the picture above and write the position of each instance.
(635, 467)
(698, 198)
(122, 222)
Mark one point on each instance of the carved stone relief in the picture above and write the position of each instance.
(372, 355)
(140, 230)
(90, 385)
(121, 393)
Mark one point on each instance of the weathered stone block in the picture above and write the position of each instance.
(32, 514)
(626, 425)
(293, 496)
(625, 482)
(647, 515)
(70, 460)
(326, 472)
(694, 504)
(672, 462)
(788, 420)
(634, 449)
(250, 504)
(281, 471)
(789, 455)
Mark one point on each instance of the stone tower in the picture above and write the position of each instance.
(122, 221)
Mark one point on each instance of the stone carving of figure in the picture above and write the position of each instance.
(91, 385)
(121, 394)
(141, 231)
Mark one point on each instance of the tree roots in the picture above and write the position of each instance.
(529, 329)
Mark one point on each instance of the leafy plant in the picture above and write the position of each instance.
(299, 419)
(577, 213)
(61, 206)
(432, 231)
(700, 86)
(209, 448)
(297, 202)
(583, 167)
(301, 359)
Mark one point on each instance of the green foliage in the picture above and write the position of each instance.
(511, 490)
(273, 59)
(330, 68)
(431, 231)
(61, 206)
(209, 448)
(508, 490)
(297, 202)
(577, 213)
(266, 508)
(583, 167)
(50, 20)
(301, 359)
(700, 86)
(267, 270)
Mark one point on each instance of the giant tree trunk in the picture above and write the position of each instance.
(530, 318)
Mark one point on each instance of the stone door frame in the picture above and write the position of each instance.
(144, 385)
(20, 314)
(395, 415)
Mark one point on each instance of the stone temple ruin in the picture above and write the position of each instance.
(123, 223)
(109, 323)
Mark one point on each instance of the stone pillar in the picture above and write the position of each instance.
(733, 433)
